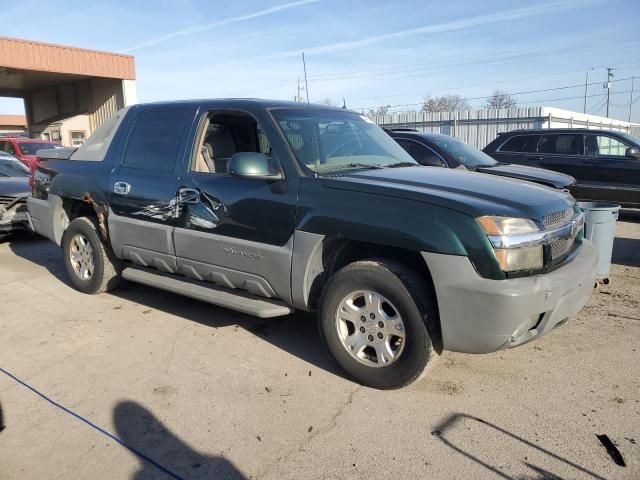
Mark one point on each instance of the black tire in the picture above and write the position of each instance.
(105, 275)
(411, 298)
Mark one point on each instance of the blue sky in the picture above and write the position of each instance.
(370, 52)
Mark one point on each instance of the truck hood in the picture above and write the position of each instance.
(14, 187)
(472, 193)
(533, 174)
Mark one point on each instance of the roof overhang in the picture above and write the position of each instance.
(26, 65)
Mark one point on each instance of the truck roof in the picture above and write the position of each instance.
(538, 131)
(254, 102)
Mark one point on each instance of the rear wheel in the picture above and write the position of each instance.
(90, 263)
(373, 318)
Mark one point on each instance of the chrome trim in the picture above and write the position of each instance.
(544, 237)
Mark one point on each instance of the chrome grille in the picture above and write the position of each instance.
(558, 218)
(5, 200)
(561, 247)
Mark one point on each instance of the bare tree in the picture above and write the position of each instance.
(381, 110)
(501, 99)
(445, 103)
(328, 101)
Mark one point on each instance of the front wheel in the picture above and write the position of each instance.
(90, 263)
(373, 317)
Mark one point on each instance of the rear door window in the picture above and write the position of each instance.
(520, 143)
(154, 142)
(560, 144)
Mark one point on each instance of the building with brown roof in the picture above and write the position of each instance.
(62, 85)
(13, 124)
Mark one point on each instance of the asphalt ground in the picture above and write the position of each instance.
(139, 383)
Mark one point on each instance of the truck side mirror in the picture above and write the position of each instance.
(253, 165)
(632, 152)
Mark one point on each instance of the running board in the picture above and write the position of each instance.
(223, 297)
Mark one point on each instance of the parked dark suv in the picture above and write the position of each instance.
(438, 150)
(605, 164)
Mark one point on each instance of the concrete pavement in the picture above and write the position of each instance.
(203, 392)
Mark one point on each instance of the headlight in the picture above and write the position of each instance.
(515, 259)
(509, 238)
(507, 225)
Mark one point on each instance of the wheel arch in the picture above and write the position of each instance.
(316, 258)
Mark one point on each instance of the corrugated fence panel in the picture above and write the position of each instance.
(479, 127)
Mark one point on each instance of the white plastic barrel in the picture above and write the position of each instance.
(600, 227)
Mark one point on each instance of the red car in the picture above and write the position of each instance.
(24, 149)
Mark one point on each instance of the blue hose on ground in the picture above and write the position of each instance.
(94, 426)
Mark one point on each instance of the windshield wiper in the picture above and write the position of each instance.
(366, 165)
(401, 164)
(350, 165)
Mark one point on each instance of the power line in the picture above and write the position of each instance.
(513, 94)
(505, 56)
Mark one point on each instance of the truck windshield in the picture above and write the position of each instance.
(463, 153)
(326, 140)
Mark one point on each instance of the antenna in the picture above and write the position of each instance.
(306, 84)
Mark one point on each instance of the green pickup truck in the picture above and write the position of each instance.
(265, 207)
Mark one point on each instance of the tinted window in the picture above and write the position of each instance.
(562, 144)
(604, 145)
(30, 148)
(420, 153)
(520, 143)
(155, 140)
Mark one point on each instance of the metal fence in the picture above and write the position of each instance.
(481, 126)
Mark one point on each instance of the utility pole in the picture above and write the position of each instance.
(631, 100)
(586, 84)
(299, 94)
(608, 87)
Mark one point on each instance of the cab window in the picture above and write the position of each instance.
(155, 139)
(223, 134)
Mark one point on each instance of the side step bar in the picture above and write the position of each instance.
(224, 297)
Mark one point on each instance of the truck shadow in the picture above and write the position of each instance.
(454, 432)
(629, 215)
(161, 453)
(626, 251)
(296, 334)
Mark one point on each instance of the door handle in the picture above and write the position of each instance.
(121, 188)
(188, 195)
(535, 157)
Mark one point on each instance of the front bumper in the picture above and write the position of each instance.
(479, 315)
(14, 219)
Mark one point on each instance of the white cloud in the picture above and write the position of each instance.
(200, 28)
(515, 14)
